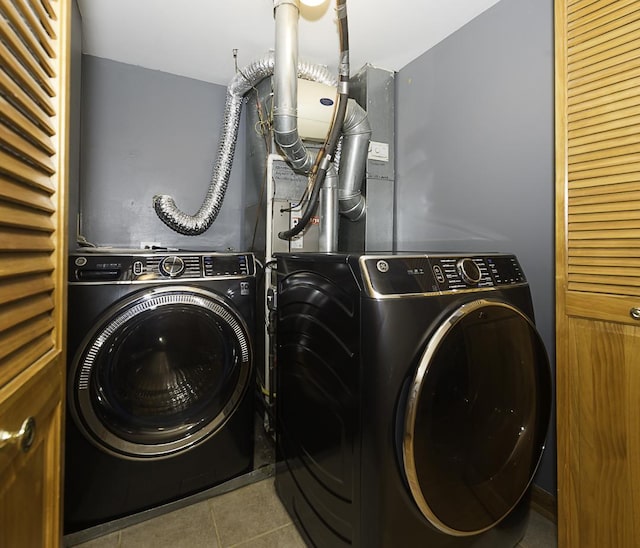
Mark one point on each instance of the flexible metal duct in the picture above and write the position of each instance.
(242, 82)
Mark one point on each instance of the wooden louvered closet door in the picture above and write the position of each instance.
(598, 272)
(33, 155)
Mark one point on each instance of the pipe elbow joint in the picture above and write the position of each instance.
(353, 207)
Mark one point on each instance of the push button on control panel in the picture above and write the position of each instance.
(137, 268)
(437, 272)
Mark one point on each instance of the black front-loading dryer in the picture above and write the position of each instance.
(413, 399)
(160, 381)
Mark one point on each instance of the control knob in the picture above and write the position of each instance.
(469, 271)
(172, 266)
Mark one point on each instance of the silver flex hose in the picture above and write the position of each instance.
(242, 82)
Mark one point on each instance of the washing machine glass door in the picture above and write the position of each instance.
(476, 417)
(163, 371)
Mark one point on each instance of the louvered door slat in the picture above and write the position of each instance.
(19, 193)
(584, 15)
(625, 137)
(15, 167)
(594, 253)
(35, 26)
(17, 264)
(615, 202)
(604, 97)
(22, 358)
(619, 183)
(611, 260)
(29, 129)
(618, 116)
(22, 311)
(612, 110)
(27, 82)
(20, 336)
(606, 28)
(49, 9)
(603, 47)
(582, 233)
(12, 240)
(631, 290)
(575, 244)
(588, 88)
(44, 16)
(609, 63)
(608, 167)
(611, 153)
(32, 41)
(24, 56)
(598, 219)
(625, 126)
(26, 103)
(15, 216)
(28, 151)
(14, 289)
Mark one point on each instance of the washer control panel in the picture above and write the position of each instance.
(143, 267)
(419, 274)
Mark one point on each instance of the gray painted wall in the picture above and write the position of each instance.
(475, 165)
(146, 132)
(75, 96)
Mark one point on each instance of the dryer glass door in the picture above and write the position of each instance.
(476, 418)
(164, 371)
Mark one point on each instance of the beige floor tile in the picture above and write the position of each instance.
(248, 512)
(285, 537)
(249, 517)
(189, 527)
(111, 540)
(541, 533)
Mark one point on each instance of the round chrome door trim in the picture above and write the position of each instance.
(113, 319)
(408, 455)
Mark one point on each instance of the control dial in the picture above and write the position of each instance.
(469, 271)
(172, 266)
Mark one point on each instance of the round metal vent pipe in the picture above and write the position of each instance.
(285, 130)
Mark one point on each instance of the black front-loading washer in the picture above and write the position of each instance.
(413, 399)
(160, 381)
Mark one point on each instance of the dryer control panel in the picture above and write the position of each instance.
(396, 275)
(145, 267)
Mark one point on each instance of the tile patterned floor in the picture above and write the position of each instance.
(249, 517)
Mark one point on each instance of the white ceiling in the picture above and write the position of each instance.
(196, 38)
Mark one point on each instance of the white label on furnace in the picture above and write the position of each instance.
(297, 242)
(378, 151)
